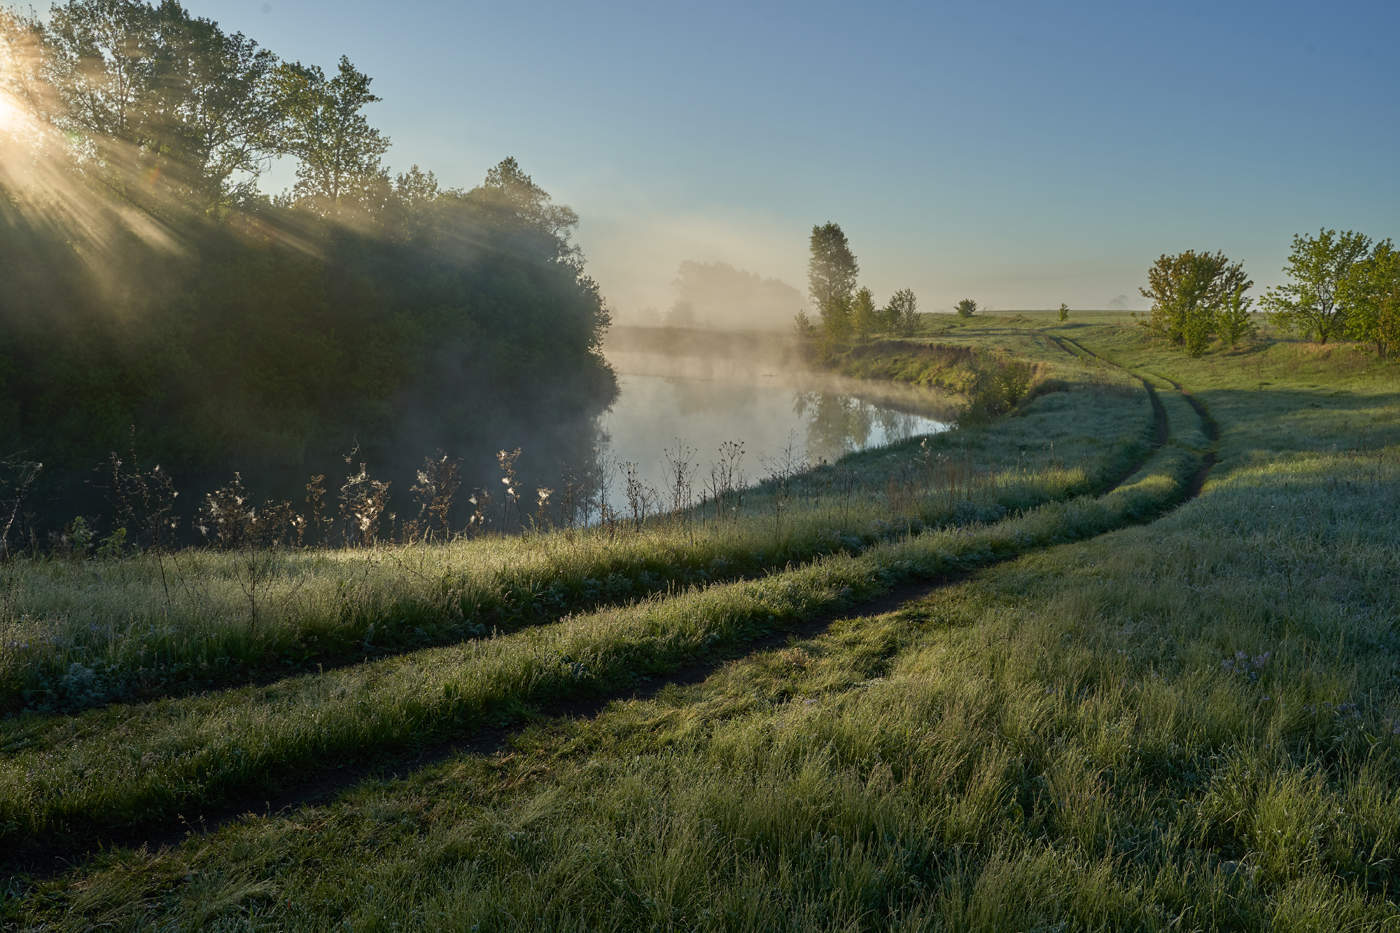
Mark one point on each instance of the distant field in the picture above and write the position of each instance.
(1123, 658)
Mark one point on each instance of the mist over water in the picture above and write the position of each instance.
(692, 392)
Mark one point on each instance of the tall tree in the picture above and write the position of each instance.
(831, 278)
(1308, 303)
(1187, 290)
(338, 150)
(219, 115)
(166, 104)
(1371, 293)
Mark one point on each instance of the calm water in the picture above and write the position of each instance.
(778, 420)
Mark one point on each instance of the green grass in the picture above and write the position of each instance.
(1189, 723)
(132, 766)
(78, 634)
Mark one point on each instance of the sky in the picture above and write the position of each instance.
(1020, 153)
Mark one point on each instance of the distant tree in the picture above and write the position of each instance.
(682, 314)
(1371, 293)
(1308, 303)
(337, 149)
(1187, 290)
(1064, 311)
(724, 296)
(864, 318)
(966, 308)
(1233, 321)
(900, 313)
(831, 278)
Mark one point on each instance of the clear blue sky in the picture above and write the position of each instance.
(1023, 153)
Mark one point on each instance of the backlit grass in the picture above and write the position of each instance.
(78, 634)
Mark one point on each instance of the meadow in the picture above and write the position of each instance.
(1121, 658)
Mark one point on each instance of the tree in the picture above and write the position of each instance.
(966, 308)
(724, 296)
(1232, 320)
(510, 192)
(168, 103)
(831, 278)
(1308, 304)
(1187, 289)
(339, 152)
(1064, 311)
(863, 315)
(1371, 293)
(900, 313)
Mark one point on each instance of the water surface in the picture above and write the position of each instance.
(669, 406)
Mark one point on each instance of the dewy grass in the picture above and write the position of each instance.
(143, 765)
(1190, 724)
(74, 635)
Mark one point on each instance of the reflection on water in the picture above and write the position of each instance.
(778, 422)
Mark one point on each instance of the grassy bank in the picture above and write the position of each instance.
(79, 634)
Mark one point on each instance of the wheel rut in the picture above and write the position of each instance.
(42, 860)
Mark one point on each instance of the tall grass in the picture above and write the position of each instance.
(143, 765)
(78, 634)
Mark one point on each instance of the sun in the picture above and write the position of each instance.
(12, 115)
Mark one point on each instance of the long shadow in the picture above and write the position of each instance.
(47, 858)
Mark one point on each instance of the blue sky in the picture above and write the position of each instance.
(1023, 153)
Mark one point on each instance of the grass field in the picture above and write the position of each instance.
(1144, 680)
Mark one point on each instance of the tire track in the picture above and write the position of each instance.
(50, 858)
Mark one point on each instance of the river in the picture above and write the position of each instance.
(675, 406)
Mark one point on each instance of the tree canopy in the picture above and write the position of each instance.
(1312, 302)
(151, 287)
(1188, 290)
(1370, 291)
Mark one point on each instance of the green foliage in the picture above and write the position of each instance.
(336, 148)
(1312, 303)
(831, 279)
(1187, 290)
(155, 90)
(966, 307)
(864, 319)
(1233, 321)
(1370, 291)
(803, 328)
(901, 314)
(1064, 312)
(149, 284)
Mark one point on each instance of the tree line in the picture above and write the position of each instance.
(156, 298)
(1340, 285)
